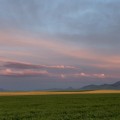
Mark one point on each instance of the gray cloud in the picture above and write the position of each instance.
(12, 68)
(94, 24)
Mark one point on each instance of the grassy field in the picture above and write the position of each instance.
(61, 107)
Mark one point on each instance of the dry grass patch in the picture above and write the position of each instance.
(58, 93)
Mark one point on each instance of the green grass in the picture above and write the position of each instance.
(61, 107)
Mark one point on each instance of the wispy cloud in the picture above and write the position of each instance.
(20, 73)
(27, 46)
(16, 68)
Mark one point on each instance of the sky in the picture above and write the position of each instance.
(48, 44)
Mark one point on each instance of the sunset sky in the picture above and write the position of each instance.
(59, 43)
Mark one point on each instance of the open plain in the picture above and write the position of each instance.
(59, 92)
(84, 105)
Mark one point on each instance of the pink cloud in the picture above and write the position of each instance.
(90, 75)
(10, 72)
(24, 65)
(17, 53)
(99, 75)
(17, 68)
(60, 67)
(50, 46)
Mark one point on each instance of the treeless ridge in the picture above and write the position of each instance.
(58, 93)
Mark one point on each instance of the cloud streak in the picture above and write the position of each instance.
(21, 73)
(21, 69)
(86, 55)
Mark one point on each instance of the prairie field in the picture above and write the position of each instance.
(60, 107)
(59, 92)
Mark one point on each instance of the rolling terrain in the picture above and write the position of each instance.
(114, 86)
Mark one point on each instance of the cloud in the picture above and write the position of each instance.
(17, 68)
(90, 75)
(86, 22)
(23, 65)
(19, 73)
(28, 46)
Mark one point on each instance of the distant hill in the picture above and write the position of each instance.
(60, 89)
(114, 86)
